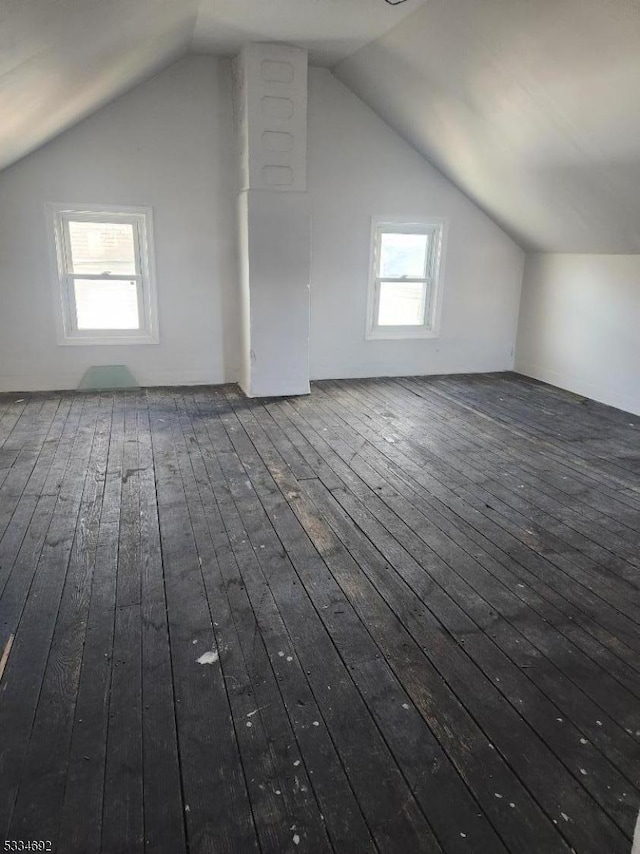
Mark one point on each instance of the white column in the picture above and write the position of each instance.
(274, 219)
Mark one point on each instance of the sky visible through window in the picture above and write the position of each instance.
(402, 255)
(99, 248)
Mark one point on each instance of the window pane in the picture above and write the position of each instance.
(401, 304)
(102, 247)
(106, 304)
(403, 255)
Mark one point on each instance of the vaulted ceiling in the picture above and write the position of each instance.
(532, 107)
(62, 59)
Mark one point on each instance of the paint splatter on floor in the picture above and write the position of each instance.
(208, 657)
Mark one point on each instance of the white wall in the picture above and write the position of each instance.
(168, 144)
(357, 168)
(578, 329)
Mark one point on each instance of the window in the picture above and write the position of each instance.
(403, 293)
(104, 286)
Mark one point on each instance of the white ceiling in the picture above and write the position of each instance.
(532, 107)
(62, 59)
(329, 29)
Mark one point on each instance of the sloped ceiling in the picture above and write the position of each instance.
(532, 107)
(63, 59)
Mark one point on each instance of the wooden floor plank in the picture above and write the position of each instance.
(534, 417)
(385, 799)
(451, 668)
(82, 810)
(417, 755)
(36, 504)
(123, 806)
(543, 638)
(219, 816)
(27, 443)
(523, 551)
(446, 545)
(280, 797)
(551, 607)
(516, 646)
(305, 755)
(509, 508)
(490, 442)
(165, 831)
(43, 779)
(22, 680)
(418, 596)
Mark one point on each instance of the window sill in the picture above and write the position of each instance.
(398, 333)
(110, 340)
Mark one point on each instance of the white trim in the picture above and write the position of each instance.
(430, 328)
(141, 218)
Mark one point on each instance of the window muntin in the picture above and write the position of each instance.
(105, 283)
(403, 289)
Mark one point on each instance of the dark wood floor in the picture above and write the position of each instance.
(418, 601)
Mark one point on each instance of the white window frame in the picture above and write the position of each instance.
(432, 280)
(141, 218)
